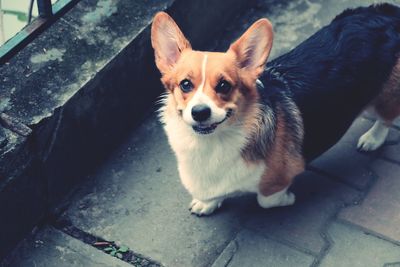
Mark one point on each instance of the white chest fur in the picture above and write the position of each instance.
(211, 166)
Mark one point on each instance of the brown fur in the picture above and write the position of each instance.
(219, 66)
(387, 104)
(284, 161)
(281, 155)
(270, 142)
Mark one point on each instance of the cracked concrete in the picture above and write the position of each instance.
(140, 202)
(250, 249)
(51, 243)
(352, 247)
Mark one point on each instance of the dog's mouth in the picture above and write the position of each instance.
(207, 129)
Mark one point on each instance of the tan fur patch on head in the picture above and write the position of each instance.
(239, 67)
(219, 67)
(188, 67)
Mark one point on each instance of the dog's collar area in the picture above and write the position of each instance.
(260, 84)
(261, 90)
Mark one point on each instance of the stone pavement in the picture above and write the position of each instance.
(347, 211)
(346, 214)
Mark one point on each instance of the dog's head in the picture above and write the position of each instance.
(209, 88)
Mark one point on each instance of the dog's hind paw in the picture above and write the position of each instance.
(200, 208)
(366, 143)
(279, 199)
(374, 138)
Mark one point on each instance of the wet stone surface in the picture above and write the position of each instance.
(379, 210)
(50, 247)
(355, 248)
(60, 61)
(344, 162)
(251, 249)
(136, 197)
(303, 224)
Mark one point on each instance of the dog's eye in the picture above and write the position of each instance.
(223, 87)
(186, 85)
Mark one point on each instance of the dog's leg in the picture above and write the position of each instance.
(278, 199)
(200, 208)
(274, 184)
(374, 137)
(387, 107)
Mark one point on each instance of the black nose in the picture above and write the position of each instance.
(201, 112)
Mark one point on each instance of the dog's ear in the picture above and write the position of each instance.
(167, 40)
(253, 47)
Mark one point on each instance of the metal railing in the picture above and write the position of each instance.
(45, 8)
(48, 14)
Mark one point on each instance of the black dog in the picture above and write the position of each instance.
(336, 73)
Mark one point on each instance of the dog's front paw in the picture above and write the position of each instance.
(200, 208)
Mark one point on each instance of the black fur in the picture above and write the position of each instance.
(336, 72)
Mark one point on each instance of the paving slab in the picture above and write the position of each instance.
(392, 152)
(396, 123)
(318, 199)
(50, 247)
(391, 148)
(344, 162)
(293, 20)
(137, 199)
(249, 249)
(354, 248)
(379, 212)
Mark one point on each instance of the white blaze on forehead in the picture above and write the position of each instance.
(217, 114)
(203, 74)
(198, 96)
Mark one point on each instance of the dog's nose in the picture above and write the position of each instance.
(201, 112)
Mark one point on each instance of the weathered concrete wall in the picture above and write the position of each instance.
(81, 86)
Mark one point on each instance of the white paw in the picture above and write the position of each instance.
(279, 199)
(373, 139)
(368, 143)
(203, 208)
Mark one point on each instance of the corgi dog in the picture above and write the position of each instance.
(240, 125)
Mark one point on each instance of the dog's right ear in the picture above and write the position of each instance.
(168, 41)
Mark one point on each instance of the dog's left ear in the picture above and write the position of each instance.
(253, 47)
